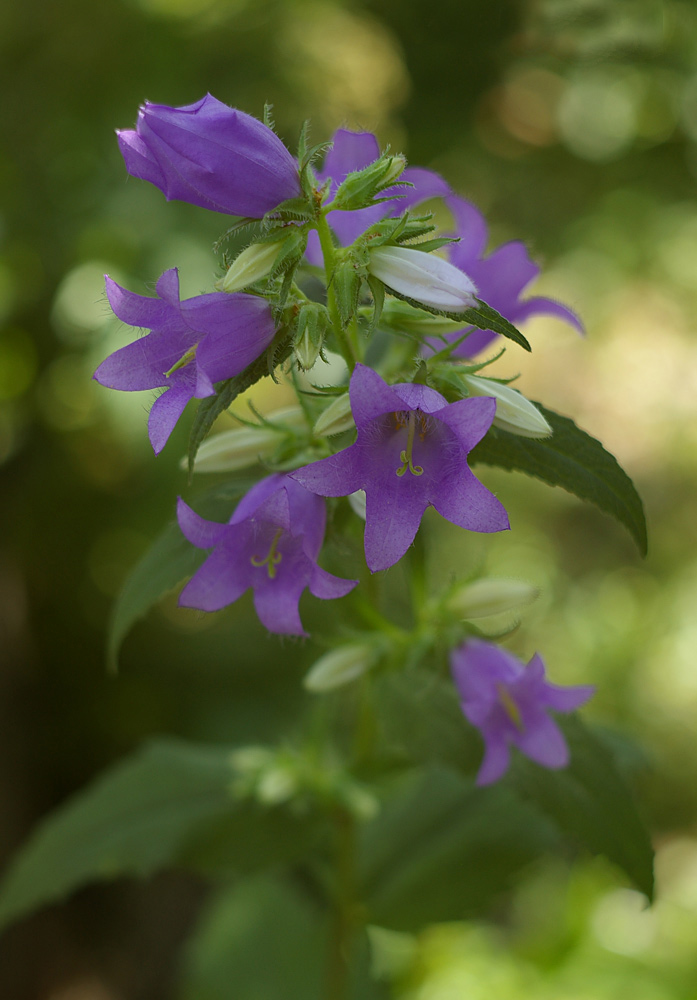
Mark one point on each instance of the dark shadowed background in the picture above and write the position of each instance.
(573, 125)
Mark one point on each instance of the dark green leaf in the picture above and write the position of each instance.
(442, 849)
(264, 939)
(134, 819)
(210, 408)
(574, 460)
(486, 318)
(590, 803)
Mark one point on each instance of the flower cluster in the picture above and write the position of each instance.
(411, 397)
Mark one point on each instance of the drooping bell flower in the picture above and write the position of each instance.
(212, 156)
(501, 278)
(411, 452)
(270, 544)
(192, 344)
(510, 703)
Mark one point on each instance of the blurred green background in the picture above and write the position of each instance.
(573, 125)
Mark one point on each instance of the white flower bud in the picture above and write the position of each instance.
(251, 265)
(244, 446)
(336, 418)
(340, 666)
(490, 596)
(514, 413)
(423, 277)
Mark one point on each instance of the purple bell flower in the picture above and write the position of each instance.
(411, 452)
(211, 155)
(193, 344)
(271, 544)
(501, 277)
(354, 151)
(510, 703)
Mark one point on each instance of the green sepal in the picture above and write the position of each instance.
(377, 290)
(574, 460)
(346, 280)
(310, 330)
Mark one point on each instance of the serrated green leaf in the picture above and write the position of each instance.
(574, 460)
(442, 849)
(484, 317)
(170, 559)
(590, 802)
(135, 819)
(211, 407)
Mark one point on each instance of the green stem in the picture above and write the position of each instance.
(344, 917)
(329, 255)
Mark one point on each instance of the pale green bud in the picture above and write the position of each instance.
(514, 413)
(336, 418)
(399, 315)
(490, 596)
(340, 666)
(313, 321)
(244, 446)
(253, 264)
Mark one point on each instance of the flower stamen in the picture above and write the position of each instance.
(273, 558)
(406, 454)
(509, 706)
(183, 360)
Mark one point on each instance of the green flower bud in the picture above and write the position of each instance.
(360, 187)
(398, 315)
(490, 596)
(514, 413)
(336, 418)
(340, 666)
(253, 264)
(244, 446)
(312, 324)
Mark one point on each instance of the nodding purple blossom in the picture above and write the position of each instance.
(192, 344)
(411, 452)
(270, 544)
(212, 156)
(501, 277)
(510, 703)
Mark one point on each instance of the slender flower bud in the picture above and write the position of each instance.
(340, 666)
(490, 596)
(423, 277)
(514, 413)
(211, 155)
(336, 418)
(313, 322)
(253, 264)
(245, 446)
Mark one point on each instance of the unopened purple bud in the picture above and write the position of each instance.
(211, 155)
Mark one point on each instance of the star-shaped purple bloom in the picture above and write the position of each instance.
(501, 277)
(210, 155)
(509, 703)
(193, 344)
(411, 452)
(271, 544)
(353, 151)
